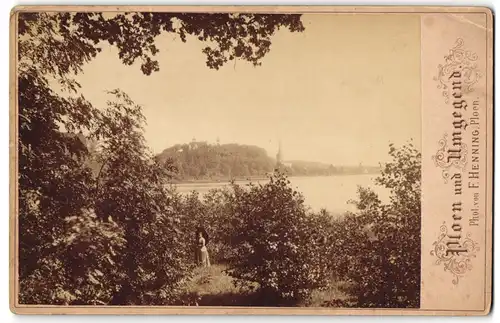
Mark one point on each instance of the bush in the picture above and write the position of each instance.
(214, 211)
(219, 220)
(80, 268)
(380, 249)
(271, 237)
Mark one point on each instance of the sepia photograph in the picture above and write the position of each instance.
(218, 159)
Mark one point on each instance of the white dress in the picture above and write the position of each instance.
(203, 258)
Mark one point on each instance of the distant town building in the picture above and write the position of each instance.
(193, 144)
(362, 169)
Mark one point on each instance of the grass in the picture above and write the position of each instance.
(213, 287)
(211, 280)
(335, 291)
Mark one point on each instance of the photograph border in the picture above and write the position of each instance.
(206, 310)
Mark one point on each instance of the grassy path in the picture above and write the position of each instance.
(216, 288)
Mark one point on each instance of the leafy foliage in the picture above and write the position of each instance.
(72, 39)
(80, 267)
(379, 248)
(271, 240)
(96, 224)
(131, 188)
(53, 179)
(93, 255)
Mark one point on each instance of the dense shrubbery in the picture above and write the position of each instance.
(267, 237)
(263, 233)
(213, 212)
(378, 247)
(78, 267)
(122, 243)
(131, 188)
(392, 258)
(271, 236)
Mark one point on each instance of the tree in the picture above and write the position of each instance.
(132, 189)
(69, 40)
(54, 181)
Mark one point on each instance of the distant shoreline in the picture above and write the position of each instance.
(256, 178)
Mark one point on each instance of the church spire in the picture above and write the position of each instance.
(279, 155)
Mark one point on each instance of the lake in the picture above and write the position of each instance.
(329, 192)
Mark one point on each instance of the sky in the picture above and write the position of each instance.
(338, 93)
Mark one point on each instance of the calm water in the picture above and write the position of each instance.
(329, 192)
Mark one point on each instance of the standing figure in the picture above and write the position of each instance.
(202, 258)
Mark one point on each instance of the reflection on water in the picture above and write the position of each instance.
(329, 192)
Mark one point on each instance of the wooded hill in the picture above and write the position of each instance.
(204, 161)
